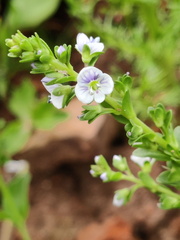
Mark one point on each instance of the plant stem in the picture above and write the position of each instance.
(156, 187)
(113, 103)
(167, 191)
(24, 232)
(156, 137)
(62, 67)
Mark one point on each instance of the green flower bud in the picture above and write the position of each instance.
(120, 163)
(167, 202)
(121, 197)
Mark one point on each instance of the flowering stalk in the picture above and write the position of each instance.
(111, 96)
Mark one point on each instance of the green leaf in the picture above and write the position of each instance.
(171, 178)
(18, 188)
(151, 153)
(127, 108)
(3, 216)
(45, 116)
(163, 177)
(12, 139)
(30, 13)
(121, 119)
(8, 205)
(22, 100)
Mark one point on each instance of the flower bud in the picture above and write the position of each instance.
(121, 197)
(120, 163)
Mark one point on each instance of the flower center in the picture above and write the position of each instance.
(94, 85)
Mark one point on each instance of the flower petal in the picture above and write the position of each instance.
(99, 97)
(60, 50)
(95, 47)
(87, 74)
(106, 84)
(50, 88)
(57, 101)
(81, 40)
(83, 94)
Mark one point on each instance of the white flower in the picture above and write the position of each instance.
(92, 172)
(57, 101)
(141, 160)
(96, 159)
(93, 43)
(16, 167)
(93, 84)
(103, 176)
(60, 50)
(117, 158)
(118, 202)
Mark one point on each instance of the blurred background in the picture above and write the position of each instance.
(140, 37)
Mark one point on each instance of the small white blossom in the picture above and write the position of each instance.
(39, 52)
(92, 172)
(57, 101)
(141, 160)
(60, 50)
(117, 158)
(94, 44)
(33, 65)
(14, 166)
(93, 84)
(118, 202)
(103, 176)
(96, 159)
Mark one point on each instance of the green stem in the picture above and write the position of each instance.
(63, 67)
(132, 178)
(113, 103)
(156, 187)
(155, 136)
(134, 120)
(24, 232)
(167, 191)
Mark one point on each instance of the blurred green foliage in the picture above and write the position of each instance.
(144, 34)
(21, 101)
(22, 15)
(30, 113)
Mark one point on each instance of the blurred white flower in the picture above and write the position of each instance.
(94, 44)
(16, 166)
(57, 101)
(93, 84)
(118, 202)
(141, 160)
(103, 176)
(60, 50)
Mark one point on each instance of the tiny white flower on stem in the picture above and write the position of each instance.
(60, 50)
(96, 159)
(16, 167)
(93, 84)
(57, 101)
(94, 44)
(92, 172)
(118, 202)
(103, 176)
(141, 160)
(117, 158)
